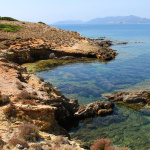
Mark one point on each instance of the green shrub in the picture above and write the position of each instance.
(41, 22)
(17, 37)
(9, 27)
(8, 19)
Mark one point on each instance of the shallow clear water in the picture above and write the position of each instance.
(87, 81)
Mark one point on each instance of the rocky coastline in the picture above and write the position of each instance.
(36, 41)
(134, 100)
(26, 98)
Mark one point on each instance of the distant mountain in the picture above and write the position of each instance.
(106, 20)
(69, 22)
(119, 19)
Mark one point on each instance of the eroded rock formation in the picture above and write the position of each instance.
(101, 108)
(135, 99)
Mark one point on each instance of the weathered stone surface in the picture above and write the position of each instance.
(43, 116)
(98, 107)
(51, 55)
(142, 97)
(57, 91)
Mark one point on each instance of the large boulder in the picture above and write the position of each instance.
(101, 108)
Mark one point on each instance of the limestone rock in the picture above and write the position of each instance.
(51, 55)
(42, 116)
(98, 107)
(57, 91)
(142, 97)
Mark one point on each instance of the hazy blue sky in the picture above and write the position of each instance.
(50, 11)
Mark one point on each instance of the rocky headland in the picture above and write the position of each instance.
(24, 98)
(36, 41)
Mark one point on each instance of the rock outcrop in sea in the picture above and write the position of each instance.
(135, 100)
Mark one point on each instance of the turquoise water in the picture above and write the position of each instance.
(88, 81)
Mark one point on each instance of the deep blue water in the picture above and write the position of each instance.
(122, 32)
(129, 71)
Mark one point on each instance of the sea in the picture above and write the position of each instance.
(88, 82)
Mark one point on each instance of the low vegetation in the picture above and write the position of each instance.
(29, 132)
(24, 95)
(14, 141)
(4, 99)
(9, 111)
(41, 22)
(9, 27)
(105, 144)
(8, 19)
(26, 101)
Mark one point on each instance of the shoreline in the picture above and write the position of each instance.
(21, 87)
(45, 97)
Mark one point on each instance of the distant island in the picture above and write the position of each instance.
(70, 22)
(109, 20)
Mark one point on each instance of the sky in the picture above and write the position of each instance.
(51, 11)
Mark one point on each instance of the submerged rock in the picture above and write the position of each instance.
(145, 110)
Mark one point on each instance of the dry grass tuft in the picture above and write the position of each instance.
(105, 144)
(18, 141)
(4, 99)
(26, 101)
(29, 132)
(9, 111)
